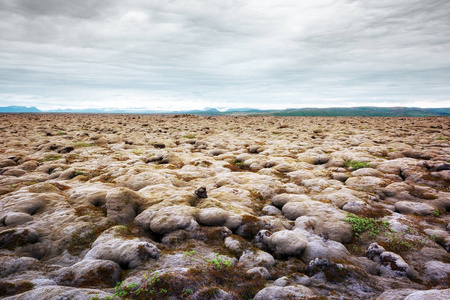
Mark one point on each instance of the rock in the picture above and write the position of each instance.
(256, 258)
(408, 207)
(67, 174)
(282, 281)
(122, 205)
(271, 210)
(437, 271)
(30, 165)
(354, 206)
(396, 294)
(374, 252)
(281, 199)
(139, 181)
(341, 198)
(15, 172)
(429, 295)
(394, 265)
(172, 218)
(367, 172)
(234, 244)
(212, 293)
(60, 292)
(326, 223)
(366, 183)
(212, 216)
(281, 293)
(201, 192)
(285, 242)
(17, 218)
(259, 271)
(293, 210)
(7, 163)
(12, 238)
(318, 248)
(128, 253)
(90, 273)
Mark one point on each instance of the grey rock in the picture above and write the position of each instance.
(281, 293)
(259, 271)
(212, 216)
(60, 293)
(255, 258)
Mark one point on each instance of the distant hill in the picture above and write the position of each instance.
(363, 111)
(19, 109)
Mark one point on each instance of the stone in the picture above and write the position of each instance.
(60, 292)
(394, 265)
(122, 205)
(90, 273)
(408, 207)
(317, 247)
(256, 258)
(17, 218)
(437, 271)
(128, 253)
(281, 199)
(212, 216)
(259, 271)
(281, 293)
(286, 243)
(432, 294)
(201, 192)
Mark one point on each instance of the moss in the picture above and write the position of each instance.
(13, 288)
(11, 239)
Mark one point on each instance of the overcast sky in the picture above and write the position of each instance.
(224, 53)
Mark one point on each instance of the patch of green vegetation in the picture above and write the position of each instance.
(188, 136)
(83, 144)
(138, 151)
(62, 133)
(357, 164)
(370, 225)
(204, 280)
(441, 138)
(76, 173)
(50, 157)
(218, 262)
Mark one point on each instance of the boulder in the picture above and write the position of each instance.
(285, 242)
(281, 293)
(90, 273)
(122, 205)
(281, 199)
(17, 218)
(429, 295)
(60, 292)
(256, 258)
(139, 181)
(408, 207)
(393, 264)
(128, 253)
(318, 247)
(212, 216)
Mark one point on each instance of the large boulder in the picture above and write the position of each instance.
(408, 207)
(256, 258)
(55, 292)
(318, 247)
(122, 205)
(285, 292)
(285, 242)
(128, 253)
(90, 273)
(136, 182)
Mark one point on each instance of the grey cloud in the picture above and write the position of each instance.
(230, 51)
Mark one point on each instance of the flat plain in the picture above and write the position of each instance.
(197, 207)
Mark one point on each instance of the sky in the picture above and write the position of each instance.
(192, 54)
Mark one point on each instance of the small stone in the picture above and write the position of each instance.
(201, 192)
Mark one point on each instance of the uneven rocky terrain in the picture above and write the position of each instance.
(185, 207)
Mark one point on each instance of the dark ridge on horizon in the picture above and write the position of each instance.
(360, 111)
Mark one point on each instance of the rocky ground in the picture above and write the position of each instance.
(185, 207)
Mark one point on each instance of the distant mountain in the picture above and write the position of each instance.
(363, 111)
(19, 109)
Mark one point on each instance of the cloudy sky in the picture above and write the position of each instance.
(224, 53)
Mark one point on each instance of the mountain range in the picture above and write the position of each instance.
(362, 111)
